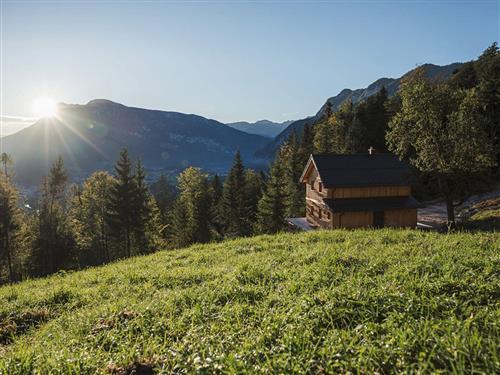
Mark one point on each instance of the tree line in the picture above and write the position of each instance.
(115, 216)
(449, 131)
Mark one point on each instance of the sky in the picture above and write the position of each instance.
(226, 60)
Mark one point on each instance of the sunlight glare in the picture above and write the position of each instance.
(45, 107)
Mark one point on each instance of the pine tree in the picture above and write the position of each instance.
(323, 137)
(141, 207)
(179, 233)
(9, 215)
(54, 240)
(164, 195)
(342, 122)
(122, 201)
(233, 204)
(306, 147)
(293, 166)
(272, 206)
(253, 194)
(190, 222)
(88, 218)
(216, 190)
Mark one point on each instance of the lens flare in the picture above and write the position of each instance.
(45, 107)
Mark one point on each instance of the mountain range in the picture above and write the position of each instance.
(265, 128)
(433, 72)
(90, 137)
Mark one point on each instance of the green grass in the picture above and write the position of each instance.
(322, 302)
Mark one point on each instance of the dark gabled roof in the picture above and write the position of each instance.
(361, 170)
(371, 204)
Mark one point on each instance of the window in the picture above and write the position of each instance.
(320, 187)
(329, 215)
(312, 185)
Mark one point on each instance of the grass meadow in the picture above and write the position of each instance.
(359, 301)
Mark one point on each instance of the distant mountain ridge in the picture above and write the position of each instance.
(90, 136)
(391, 85)
(265, 128)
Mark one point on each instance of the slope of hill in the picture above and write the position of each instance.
(364, 301)
(391, 84)
(265, 128)
(90, 136)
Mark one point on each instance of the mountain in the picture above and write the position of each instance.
(90, 136)
(265, 128)
(433, 72)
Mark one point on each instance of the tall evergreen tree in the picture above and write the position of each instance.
(190, 222)
(141, 207)
(88, 217)
(54, 240)
(9, 216)
(306, 147)
(164, 195)
(216, 190)
(323, 137)
(272, 206)
(253, 194)
(293, 166)
(234, 206)
(122, 202)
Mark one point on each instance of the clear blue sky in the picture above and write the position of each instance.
(227, 60)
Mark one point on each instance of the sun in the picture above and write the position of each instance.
(45, 107)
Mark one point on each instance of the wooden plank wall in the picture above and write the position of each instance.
(353, 219)
(372, 191)
(401, 218)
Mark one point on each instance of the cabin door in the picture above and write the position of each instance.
(378, 219)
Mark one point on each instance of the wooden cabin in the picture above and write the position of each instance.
(361, 190)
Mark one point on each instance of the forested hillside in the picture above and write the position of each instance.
(447, 130)
(390, 85)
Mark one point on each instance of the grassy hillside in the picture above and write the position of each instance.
(319, 302)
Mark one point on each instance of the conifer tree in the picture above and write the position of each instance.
(54, 240)
(9, 215)
(216, 190)
(342, 121)
(88, 217)
(234, 205)
(323, 137)
(253, 194)
(272, 206)
(141, 207)
(164, 195)
(306, 147)
(293, 166)
(190, 222)
(122, 202)
(179, 233)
